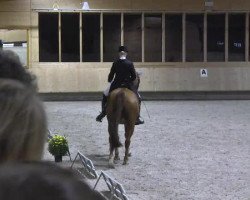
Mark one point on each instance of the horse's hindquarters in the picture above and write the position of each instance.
(123, 108)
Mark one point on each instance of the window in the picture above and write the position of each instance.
(91, 37)
(48, 37)
(173, 37)
(153, 38)
(111, 36)
(194, 37)
(249, 40)
(133, 36)
(144, 43)
(15, 40)
(70, 37)
(236, 37)
(216, 37)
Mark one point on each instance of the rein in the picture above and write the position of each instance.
(146, 109)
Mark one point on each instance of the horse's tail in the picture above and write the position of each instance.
(119, 105)
(117, 113)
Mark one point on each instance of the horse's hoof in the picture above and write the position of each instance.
(117, 158)
(111, 165)
(125, 162)
(129, 154)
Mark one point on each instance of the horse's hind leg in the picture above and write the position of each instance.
(113, 159)
(129, 129)
(111, 156)
(127, 144)
(117, 157)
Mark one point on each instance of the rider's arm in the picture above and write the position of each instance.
(111, 73)
(132, 71)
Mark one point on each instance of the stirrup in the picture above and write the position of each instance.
(100, 117)
(139, 121)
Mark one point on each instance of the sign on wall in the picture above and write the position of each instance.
(203, 73)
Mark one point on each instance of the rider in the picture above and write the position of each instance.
(125, 74)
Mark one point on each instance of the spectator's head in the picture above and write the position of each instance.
(42, 181)
(23, 123)
(11, 67)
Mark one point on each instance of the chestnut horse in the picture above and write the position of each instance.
(122, 108)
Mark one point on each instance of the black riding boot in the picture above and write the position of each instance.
(139, 119)
(103, 113)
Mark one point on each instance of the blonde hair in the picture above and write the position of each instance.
(23, 123)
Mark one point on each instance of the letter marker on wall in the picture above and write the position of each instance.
(203, 73)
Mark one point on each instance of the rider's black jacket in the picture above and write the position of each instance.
(124, 72)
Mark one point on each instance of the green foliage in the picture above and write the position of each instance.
(58, 145)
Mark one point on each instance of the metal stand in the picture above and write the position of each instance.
(115, 188)
(87, 164)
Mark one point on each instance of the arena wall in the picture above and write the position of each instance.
(157, 76)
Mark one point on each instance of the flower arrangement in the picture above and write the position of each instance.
(58, 145)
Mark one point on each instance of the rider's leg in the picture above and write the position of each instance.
(103, 113)
(139, 119)
(104, 102)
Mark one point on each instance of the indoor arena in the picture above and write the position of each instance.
(165, 82)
